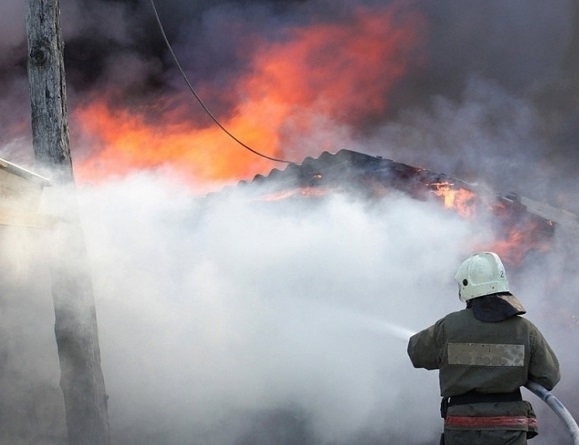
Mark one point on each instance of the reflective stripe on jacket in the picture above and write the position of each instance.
(486, 357)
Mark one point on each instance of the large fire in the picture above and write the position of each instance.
(342, 72)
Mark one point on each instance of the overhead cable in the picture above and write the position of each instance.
(209, 113)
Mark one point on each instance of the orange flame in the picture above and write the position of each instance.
(126, 142)
(521, 233)
(341, 72)
(517, 244)
(517, 232)
(459, 199)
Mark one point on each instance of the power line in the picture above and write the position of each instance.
(199, 99)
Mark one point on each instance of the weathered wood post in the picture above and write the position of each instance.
(81, 379)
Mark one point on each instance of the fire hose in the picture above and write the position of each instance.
(555, 404)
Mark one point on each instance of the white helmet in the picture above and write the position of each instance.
(481, 274)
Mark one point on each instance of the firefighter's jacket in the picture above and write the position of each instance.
(473, 355)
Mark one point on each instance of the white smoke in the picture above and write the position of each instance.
(225, 319)
(216, 307)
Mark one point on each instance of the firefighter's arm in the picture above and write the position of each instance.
(424, 347)
(544, 366)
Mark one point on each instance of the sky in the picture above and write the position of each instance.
(229, 321)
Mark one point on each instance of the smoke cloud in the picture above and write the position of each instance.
(228, 320)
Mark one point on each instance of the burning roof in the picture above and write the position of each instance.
(520, 225)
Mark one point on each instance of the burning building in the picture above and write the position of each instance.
(235, 324)
(521, 226)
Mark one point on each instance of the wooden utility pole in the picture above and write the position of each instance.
(81, 380)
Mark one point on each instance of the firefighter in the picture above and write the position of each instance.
(484, 354)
